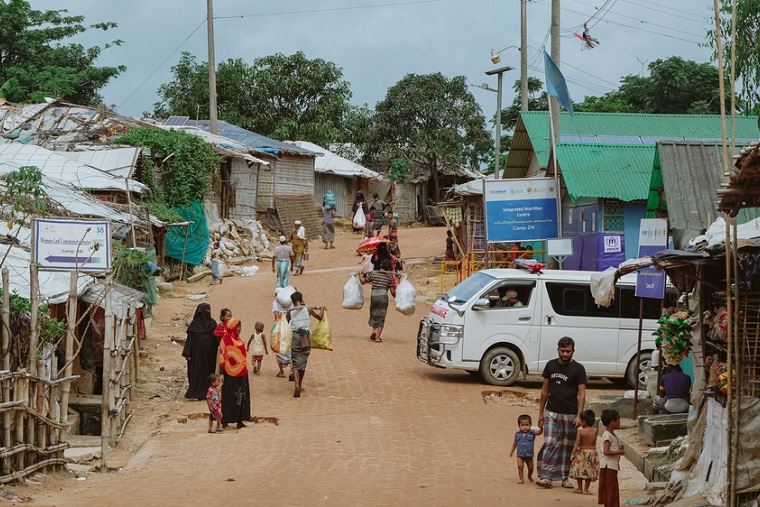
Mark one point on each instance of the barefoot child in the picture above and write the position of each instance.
(259, 347)
(585, 460)
(214, 403)
(525, 439)
(612, 449)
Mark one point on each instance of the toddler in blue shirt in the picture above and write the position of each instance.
(525, 439)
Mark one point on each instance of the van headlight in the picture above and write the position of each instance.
(450, 334)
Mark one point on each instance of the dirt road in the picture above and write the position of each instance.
(374, 425)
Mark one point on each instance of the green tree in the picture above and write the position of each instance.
(298, 98)
(746, 48)
(432, 122)
(284, 97)
(34, 51)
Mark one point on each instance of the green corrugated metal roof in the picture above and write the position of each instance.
(619, 171)
(689, 126)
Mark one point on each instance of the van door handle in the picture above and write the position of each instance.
(549, 320)
(524, 318)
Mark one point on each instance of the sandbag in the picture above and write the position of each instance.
(353, 294)
(321, 334)
(283, 296)
(330, 202)
(281, 335)
(405, 297)
(360, 219)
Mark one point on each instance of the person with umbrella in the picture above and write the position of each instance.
(382, 281)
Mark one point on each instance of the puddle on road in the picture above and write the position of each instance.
(505, 397)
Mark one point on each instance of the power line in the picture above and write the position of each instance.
(331, 9)
(643, 21)
(627, 26)
(703, 20)
(161, 64)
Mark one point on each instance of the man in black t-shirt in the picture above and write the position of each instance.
(563, 398)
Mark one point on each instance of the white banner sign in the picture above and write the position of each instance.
(68, 245)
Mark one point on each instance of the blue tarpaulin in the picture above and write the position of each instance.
(197, 235)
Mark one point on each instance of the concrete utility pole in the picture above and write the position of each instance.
(523, 55)
(497, 140)
(211, 69)
(553, 103)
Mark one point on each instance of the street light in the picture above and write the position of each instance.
(497, 142)
(495, 58)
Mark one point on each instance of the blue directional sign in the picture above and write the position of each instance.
(69, 245)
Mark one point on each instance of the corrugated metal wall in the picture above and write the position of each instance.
(340, 186)
(244, 181)
(406, 202)
(265, 190)
(294, 176)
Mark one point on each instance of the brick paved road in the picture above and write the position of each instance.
(374, 426)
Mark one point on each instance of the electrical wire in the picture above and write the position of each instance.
(584, 71)
(161, 64)
(704, 20)
(644, 21)
(331, 9)
(627, 26)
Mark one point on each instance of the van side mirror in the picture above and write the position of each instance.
(481, 304)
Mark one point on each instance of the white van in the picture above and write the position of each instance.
(472, 328)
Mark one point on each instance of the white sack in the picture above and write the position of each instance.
(366, 263)
(360, 220)
(283, 296)
(405, 297)
(353, 294)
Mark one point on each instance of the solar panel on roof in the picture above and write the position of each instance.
(177, 121)
(653, 140)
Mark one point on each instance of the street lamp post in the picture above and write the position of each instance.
(497, 142)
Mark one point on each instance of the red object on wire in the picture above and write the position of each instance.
(371, 244)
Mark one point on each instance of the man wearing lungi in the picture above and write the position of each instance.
(563, 398)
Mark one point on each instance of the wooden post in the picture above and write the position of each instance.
(63, 416)
(34, 384)
(182, 262)
(106, 398)
(6, 340)
(638, 361)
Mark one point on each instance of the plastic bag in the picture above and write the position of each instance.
(283, 296)
(321, 335)
(405, 297)
(360, 219)
(281, 335)
(366, 264)
(353, 294)
(330, 202)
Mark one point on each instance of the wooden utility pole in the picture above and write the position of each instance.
(523, 55)
(211, 69)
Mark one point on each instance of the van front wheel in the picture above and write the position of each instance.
(500, 367)
(634, 374)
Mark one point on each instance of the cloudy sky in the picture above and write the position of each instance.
(377, 42)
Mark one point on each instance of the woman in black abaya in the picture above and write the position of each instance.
(200, 352)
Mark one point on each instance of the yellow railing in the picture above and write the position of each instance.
(452, 273)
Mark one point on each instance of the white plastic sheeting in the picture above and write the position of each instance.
(120, 295)
(65, 169)
(54, 285)
(332, 163)
(716, 233)
(118, 162)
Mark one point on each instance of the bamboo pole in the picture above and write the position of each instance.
(42, 426)
(6, 339)
(34, 300)
(63, 416)
(106, 401)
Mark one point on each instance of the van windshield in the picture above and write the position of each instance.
(468, 288)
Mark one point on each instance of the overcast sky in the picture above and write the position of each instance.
(377, 42)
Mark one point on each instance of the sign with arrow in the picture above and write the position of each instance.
(70, 245)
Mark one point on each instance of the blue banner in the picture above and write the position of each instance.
(653, 238)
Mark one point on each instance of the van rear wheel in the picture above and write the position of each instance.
(500, 367)
(634, 374)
